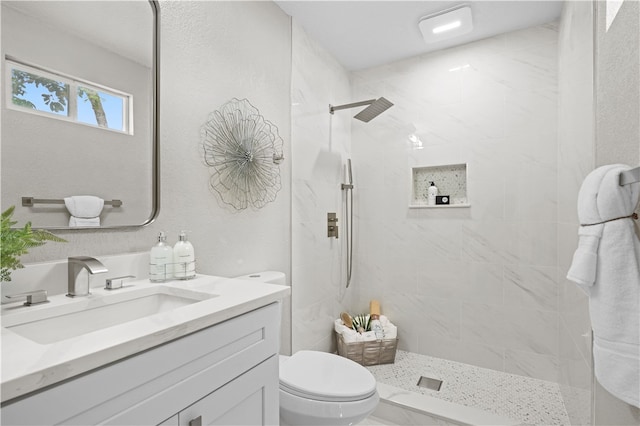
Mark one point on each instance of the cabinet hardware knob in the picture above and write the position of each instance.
(196, 422)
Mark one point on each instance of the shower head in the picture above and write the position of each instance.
(374, 109)
(379, 106)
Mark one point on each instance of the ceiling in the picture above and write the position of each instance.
(364, 34)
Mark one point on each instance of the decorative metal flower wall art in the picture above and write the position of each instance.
(243, 152)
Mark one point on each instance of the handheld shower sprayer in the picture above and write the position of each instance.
(349, 220)
(349, 175)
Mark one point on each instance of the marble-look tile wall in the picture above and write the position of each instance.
(320, 146)
(477, 285)
(576, 147)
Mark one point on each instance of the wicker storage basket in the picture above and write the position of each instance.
(368, 353)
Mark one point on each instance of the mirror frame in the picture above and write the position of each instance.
(155, 125)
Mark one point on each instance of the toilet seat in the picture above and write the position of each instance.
(327, 377)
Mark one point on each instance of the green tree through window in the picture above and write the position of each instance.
(58, 97)
(96, 104)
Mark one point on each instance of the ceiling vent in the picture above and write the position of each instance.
(446, 24)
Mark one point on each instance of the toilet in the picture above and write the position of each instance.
(319, 388)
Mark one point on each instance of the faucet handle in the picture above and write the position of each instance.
(33, 297)
(116, 282)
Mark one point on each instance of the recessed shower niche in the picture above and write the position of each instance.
(450, 179)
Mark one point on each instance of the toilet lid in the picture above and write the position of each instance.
(326, 377)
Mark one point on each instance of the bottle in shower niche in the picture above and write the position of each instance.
(184, 259)
(432, 192)
(161, 260)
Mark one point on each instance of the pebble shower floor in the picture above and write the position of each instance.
(530, 401)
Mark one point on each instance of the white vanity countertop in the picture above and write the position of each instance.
(28, 366)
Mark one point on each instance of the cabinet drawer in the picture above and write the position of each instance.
(150, 387)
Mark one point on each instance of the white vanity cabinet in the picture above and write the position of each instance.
(225, 374)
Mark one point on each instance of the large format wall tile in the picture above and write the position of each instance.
(320, 146)
(476, 284)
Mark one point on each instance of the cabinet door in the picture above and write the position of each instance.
(251, 399)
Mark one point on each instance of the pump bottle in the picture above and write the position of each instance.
(184, 258)
(432, 192)
(161, 260)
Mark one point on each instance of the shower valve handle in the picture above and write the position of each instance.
(332, 227)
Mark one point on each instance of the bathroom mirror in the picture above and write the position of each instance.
(79, 111)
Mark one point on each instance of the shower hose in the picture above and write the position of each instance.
(349, 226)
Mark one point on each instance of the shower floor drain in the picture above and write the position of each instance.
(429, 383)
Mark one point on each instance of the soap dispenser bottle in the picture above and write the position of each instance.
(161, 260)
(432, 192)
(184, 258)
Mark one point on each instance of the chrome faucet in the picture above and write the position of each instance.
(75, 265)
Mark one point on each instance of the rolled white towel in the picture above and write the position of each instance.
(351, 336)
(368, 336)
(85, 210)
(390, 331)
(83, 221)
(339, 326)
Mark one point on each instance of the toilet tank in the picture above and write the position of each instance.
(271, 277)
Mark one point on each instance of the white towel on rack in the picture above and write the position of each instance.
(85, 210)
(606, 265)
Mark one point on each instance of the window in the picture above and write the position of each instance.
(44, 92)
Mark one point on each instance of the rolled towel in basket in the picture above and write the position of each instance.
(349, 335)
(368, 336)
(390, 331)
(339, 326)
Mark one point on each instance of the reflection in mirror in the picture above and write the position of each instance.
(79, 113)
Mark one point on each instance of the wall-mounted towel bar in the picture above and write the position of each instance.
(630, 176)
(30, 201)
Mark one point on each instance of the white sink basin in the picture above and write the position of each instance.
(64, 318)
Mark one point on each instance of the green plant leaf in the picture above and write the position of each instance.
(15, 242)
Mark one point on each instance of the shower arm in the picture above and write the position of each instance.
(332, 108)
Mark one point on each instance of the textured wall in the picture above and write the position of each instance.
(210, 53)
(479, 284)
(618, 135)
(576, 148)
(320, 149)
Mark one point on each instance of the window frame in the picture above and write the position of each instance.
(72, 106)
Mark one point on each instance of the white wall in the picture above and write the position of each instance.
(617, 135)
(210, 53)
(321, 143)
(479, 284)
(576, 152)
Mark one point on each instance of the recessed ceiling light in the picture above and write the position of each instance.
(446, 27)
(446, 24)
